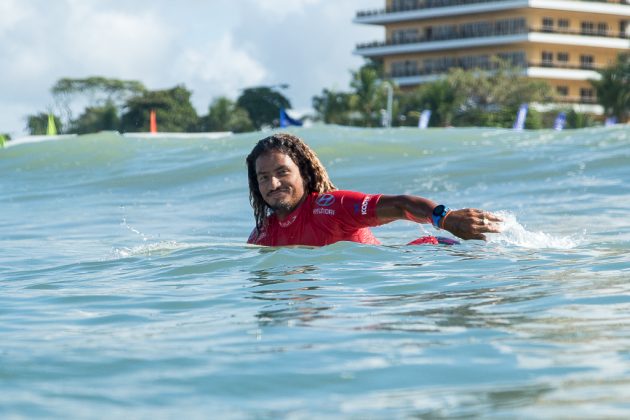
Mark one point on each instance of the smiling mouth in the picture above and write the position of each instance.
(277, 192)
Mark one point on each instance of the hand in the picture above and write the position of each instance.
(471, 223)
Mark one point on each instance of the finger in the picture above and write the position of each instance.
(493, 228)
(478, 236)
(493, 217)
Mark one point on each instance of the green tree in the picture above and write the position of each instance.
(262, 105)
(38, 124)
(333, 107)
(613, 89)
(225, 115)
(579, 120)
(440, 97)
(492, 98)
(96, 119)
(94, 91)
(174, 111)
(369, 96)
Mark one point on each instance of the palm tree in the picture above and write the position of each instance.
(613, 89)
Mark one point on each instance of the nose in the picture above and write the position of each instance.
(275, 183)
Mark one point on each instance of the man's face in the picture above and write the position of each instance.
(280, 182)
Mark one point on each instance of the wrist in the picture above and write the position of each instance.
(443, 222)
(438, 215)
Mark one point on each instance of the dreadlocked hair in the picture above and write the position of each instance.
(311, 169)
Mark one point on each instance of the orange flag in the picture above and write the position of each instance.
(153, 122)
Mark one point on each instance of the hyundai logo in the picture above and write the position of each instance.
(325, 200)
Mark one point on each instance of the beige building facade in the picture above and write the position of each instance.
(563, 42)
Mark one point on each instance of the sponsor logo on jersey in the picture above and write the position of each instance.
(364, 205)
(288, 222)
(325, 200)
(327, 212)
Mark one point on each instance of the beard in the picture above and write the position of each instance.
(284, 203)
(283, 206)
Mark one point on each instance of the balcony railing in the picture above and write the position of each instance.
(432, 4)
(591, 100)
(489, 66)
(493, 33)
(566, 66)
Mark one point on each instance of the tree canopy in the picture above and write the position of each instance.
(263, 105)
(613, 89)
(225, 115)
(174, 111)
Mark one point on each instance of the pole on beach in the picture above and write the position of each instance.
(387, 119)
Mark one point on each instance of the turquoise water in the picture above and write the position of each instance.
(127, 289)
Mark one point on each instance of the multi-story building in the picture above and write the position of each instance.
(563, 42)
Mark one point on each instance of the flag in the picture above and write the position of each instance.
(610, 121)
(152, 122)
(425, 116)
(561, 120)
(519, 124)
(51, 130)
(286, 120)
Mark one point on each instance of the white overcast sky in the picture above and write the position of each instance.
(213, 47)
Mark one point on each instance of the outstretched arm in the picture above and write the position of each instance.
(463, 223)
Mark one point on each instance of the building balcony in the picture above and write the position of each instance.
(548, 70)
(459, 40)
(491, 66)
(440, 8)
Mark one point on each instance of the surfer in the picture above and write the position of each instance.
(295, 203)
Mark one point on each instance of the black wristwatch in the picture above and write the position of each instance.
(438, 214)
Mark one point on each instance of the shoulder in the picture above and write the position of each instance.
(334, 196)
(350, 201)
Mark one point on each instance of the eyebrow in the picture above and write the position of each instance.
(277, 168)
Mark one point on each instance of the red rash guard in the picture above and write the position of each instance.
(323, 219)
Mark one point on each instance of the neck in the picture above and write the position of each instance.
(283, 213)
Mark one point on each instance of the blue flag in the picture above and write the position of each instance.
(610, 121)
(286, 120)
(561, 120)
(519, 124)
(423, 122)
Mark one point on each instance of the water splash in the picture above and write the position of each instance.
(159, 248)
(516, 234)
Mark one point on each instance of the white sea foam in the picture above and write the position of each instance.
(146, 249)
(516, 234)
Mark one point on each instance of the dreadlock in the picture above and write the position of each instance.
(311, 169)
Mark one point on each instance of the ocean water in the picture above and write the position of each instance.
(126, 287)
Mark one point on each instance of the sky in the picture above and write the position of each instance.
(213, 47)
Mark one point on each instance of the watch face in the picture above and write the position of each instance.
(438, 210)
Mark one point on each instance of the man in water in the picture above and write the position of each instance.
(295, 203)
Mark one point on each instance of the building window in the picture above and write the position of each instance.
(404, 68)
(586, 61)
(587, 95)
(404, 5)
(516, 58)
(588, 28)
(563, 57)
(402, 36)
(562, 90)
(563, 24)
(547, 24)
(602, 29)
(547, 58)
